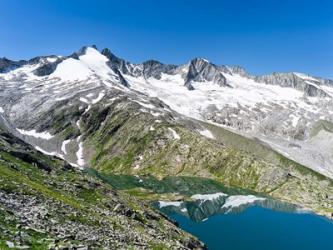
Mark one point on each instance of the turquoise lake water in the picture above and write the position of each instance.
(259, 225)
(260, 228)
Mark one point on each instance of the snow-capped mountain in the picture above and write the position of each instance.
(290, 112)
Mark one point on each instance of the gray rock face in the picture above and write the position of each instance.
(116, 62)
(147, 69)
(152, 68)
(80, 52)
(121, 78)
(23, 98)
(236, 69)
(293, 81)
(47, 68)
(201, 70)
(7, 65)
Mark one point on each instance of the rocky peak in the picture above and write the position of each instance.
(113, 58)
(199, 63)
(81, 52)
(153, 68)
(7, 64)
(200, 70)
(239, 70)
(306, 84)
(116, 63)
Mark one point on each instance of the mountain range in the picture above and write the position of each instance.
(270, 134)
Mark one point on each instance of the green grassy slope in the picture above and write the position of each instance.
(46, 203)
(122, 138)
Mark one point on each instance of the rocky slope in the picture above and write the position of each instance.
(96, 110)
(45, 203)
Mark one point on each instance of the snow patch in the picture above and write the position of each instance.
(34, 133)
(63, 146)
(183, 210)
(305, 77)
(78, 123)
(96, 62)
(169, 203)
(79, 153)
(205, 197)
(146, 105)
(1, 110)
(174, 134)
(82, 99)
(87, 109)
(71, 70)
(238, 200)
(99, 97)
(10, 244)
(294, 120)
(207, 133)
(49, 153)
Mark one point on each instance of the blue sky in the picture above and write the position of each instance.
(263, 36)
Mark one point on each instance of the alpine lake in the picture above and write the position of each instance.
(228, 218)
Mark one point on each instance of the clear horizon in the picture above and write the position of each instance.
(261, 36)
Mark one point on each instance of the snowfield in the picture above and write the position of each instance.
(278, 115)
(170, 203)
(239, 200)
(33, 133)
(208, 197)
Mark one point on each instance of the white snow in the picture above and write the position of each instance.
(151, 128)
(174, 134)
(328, 89)
(258, 102)
(210, 197)
(2, 110)
(63, 146)
(305, 77)
(10, 244)
(78, 123)
(169, 203)
(92, 101)
(137, 166)
(238, 200)
(85, 100)
(79, 153)
(34, 133)
(246, 92)
(207, 133)
(90, 65)
(294, 120)
(49, 153)
(155, 113)
(96, 62)
(71, 70)
(143, 104)
(52, 59)
(98, 98)
(87, 109)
